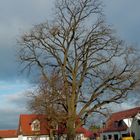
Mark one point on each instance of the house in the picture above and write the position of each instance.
(33, 127)
(122, 124)
(36, 127)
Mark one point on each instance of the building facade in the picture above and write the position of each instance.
(36, 127)
(122, 124)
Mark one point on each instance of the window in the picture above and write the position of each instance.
(116, 124)
(120, 123)
(104, 137)
(35, 126)
(33, 138)
(138, 122)
(116, 137)
(109, 137)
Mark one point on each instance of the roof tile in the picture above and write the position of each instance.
(8, 133)
(117, 117)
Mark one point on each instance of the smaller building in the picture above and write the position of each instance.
(8, 134)
(122, 124)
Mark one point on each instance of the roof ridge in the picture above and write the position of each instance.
(8, 129)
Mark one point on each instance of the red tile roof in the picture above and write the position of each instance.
(84, 131)
(88, 134)
(113, 129)
(125, 114)
(26, 121)
(8, 133)
(118, 116)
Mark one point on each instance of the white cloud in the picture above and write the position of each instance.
(13, 102)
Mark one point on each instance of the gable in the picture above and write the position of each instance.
(116, 123)
(26, 124)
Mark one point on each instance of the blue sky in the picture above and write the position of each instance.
(18, 16)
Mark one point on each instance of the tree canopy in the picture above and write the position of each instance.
(94, 66)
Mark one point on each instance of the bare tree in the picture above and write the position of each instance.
(95, 67)
(49, 99)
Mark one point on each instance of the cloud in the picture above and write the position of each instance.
(12, 105)
(18, 17)
(124, 16)
(17, 99)
(9, 118)
(29, 11)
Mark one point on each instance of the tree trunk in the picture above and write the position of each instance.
(71, 129)
(51, 135)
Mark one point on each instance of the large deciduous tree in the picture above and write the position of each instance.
(95, 67)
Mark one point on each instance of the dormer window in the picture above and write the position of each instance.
(35, 126)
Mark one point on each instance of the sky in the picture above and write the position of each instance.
(19, 16)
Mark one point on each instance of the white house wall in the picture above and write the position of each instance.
(135, 128)
(10, 138)
(112, 133)
(44, 137)
(80, 137)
